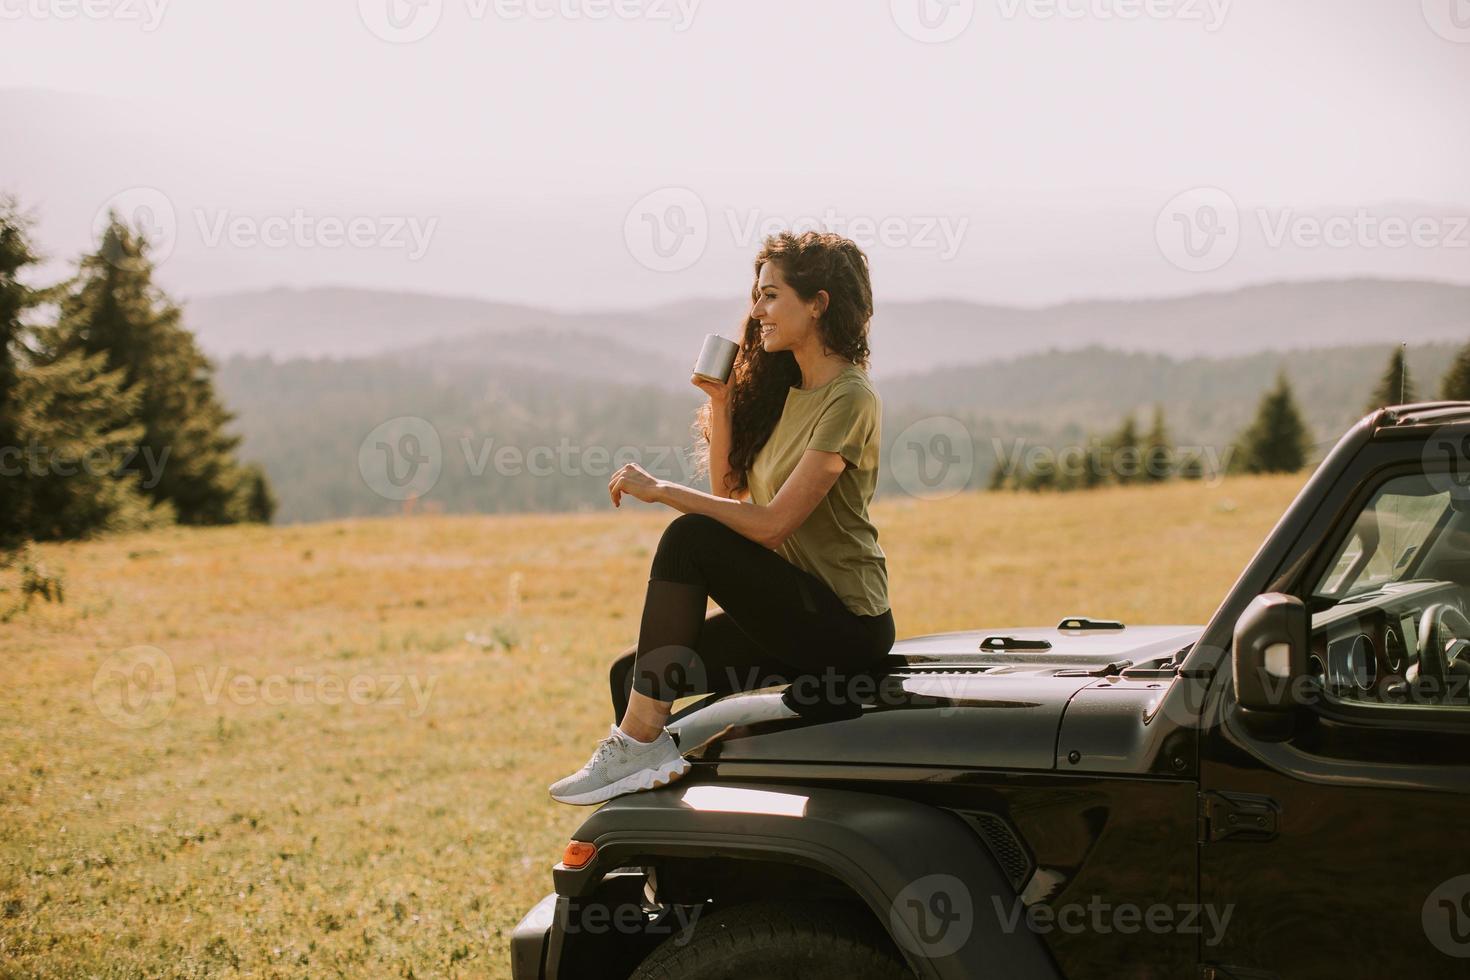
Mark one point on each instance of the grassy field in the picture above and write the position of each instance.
(324, 750)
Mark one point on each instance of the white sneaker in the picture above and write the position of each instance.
(622, 765)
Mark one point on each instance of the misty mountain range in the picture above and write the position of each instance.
(489, 377)
(656, 346)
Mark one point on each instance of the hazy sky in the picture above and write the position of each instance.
(584, 153)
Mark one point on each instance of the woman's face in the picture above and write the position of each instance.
(787, 321)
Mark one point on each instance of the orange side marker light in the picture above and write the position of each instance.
(578, 854)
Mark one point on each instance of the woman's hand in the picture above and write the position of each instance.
(635, 481)
(719, 394)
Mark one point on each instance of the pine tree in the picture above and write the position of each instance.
(1158, 452)
(1125, 453)
(113, 308)
(1095, 465)
(15, 299)
(1456, 383)
(1278, 440)
(66, 422)
(1000, 474)
(1395, 387)
(258, 502)
(77, 429)
(1041, 475)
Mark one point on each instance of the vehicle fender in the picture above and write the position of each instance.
(924, 873)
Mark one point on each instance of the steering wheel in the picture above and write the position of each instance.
(1444, 643)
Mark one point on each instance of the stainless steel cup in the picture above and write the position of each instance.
(716, 358)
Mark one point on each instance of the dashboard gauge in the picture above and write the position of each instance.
(1362, 665)
(1395, 653)
(1351, 664)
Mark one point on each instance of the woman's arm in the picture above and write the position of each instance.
(771, 524)
(719, 447)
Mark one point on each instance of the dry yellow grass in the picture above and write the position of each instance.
(261, 816)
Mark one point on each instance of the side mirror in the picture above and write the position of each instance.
(1270, 657)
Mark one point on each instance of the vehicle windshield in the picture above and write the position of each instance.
(1389, 533)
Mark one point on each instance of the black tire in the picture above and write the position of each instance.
(778, 941)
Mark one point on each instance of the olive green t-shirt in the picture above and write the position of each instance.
(837, 543)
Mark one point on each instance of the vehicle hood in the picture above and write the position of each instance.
(945, 702)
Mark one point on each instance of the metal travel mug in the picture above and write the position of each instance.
(716, 358)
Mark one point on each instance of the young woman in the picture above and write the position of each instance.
(784, 544)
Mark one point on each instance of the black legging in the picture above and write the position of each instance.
(777, 622)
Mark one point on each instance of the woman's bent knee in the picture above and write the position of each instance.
(682, 542)
(691, 525)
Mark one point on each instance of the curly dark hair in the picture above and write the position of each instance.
(809, 262)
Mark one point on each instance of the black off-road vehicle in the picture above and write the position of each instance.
(1284, 792)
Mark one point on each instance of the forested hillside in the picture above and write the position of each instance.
(517, 435)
